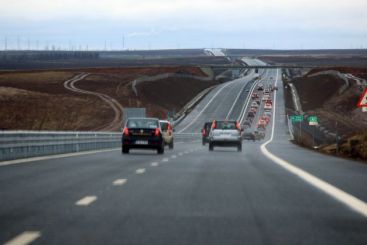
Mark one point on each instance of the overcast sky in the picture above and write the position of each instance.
(154, 24)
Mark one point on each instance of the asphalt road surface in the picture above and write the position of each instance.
(272, 192)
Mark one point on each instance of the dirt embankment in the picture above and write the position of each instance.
(335, 104)
(37, 100)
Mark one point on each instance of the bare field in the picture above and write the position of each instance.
(37, 100)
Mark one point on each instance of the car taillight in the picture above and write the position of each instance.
(214, 124)
(203, 131)
(238, 126)
(126, 132)
(157, 132)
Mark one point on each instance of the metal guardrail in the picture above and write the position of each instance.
(25, 144)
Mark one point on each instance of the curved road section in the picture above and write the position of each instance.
(116, 123)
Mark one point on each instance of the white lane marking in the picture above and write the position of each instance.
(173, 156)
(347, 199)
(154, 164)
(180, 154)
(120, 182)
(165, 160)
(33, 159)
(24, 238)
(85, 201)
(209, 102)
(186, 152)
(235, 101)
(140, 171)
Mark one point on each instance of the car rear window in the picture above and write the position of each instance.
(142, 123)
(207, 126)
(225, 125)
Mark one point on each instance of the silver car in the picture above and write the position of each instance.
(225, 133)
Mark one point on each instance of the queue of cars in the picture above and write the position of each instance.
(152, 133)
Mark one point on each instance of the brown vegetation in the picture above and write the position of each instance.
(37, 100)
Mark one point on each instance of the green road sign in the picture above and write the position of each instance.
(313, 119)
(296, 118)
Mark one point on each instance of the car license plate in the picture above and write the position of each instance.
(141, 142)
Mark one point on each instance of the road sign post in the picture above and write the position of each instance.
(313, 121)
(299, 119)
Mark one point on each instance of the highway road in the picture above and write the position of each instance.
(272, 192)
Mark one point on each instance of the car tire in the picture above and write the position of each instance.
(160, 150)
(170, 146)
(239, 147)
(125, 150)
(211, 147)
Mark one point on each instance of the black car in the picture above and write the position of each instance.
(142, 133)
(205, 132)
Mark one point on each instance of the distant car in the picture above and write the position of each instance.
(266, 97)
(247, 123)
(225, 133)
(260, 89)
(258, 102)
(254, 104)
(167, 132)
(254, 96)
(266, 119)
(251, 114)
(259, 134)
(249, 136)
(205, 132)
(275, 88)
(142, 133)
(268, 106)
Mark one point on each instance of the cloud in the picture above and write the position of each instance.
(238, 19)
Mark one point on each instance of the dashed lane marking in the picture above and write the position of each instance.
(120, 182)
(140, 171)
(24, 238)
(85, 201)
(173, 156)
(180, 154)
(154, 164)
(165, 160)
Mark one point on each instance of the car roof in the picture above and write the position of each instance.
(150, 118)
(164, 121)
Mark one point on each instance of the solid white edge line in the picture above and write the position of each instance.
(347, 199)
(85, 201)
(24, 238)
(42, 158)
